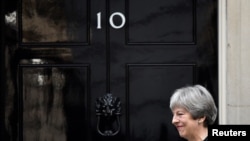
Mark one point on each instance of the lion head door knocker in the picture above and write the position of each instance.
(108, 111)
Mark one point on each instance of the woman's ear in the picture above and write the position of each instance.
(201, 120)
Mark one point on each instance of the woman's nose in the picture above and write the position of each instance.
(175, 120)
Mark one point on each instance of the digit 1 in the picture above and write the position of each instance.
(99, 20)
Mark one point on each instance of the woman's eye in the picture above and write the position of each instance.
(180, 114)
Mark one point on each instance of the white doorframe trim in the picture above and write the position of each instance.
(222, 9)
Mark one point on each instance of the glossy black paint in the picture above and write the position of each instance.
(164, 45)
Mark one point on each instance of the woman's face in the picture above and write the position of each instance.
(184, 122)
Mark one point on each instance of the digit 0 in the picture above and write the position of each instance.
(121, 16)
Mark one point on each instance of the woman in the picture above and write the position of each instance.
(193, 110)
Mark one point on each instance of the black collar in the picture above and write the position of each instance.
(206, 139)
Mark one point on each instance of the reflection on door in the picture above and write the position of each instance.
(42, 103)
(44, 114)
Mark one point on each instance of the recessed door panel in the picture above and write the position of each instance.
(149, 86)
(161, 22)
(54, 21)
(53, 102)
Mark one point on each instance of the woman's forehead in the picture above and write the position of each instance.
(179, 109)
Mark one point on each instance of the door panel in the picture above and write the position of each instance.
(44, 114)
(149, 86)
(54, 21)
(72, 75)
(161, 17)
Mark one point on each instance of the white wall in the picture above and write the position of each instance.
(234, 62)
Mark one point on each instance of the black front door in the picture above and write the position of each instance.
(75, 70)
